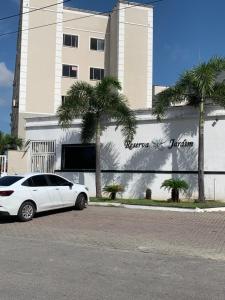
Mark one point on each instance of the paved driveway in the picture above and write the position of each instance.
(113, 253)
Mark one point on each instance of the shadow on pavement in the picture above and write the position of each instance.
(53, 212)
(8, 219)
(14, 219)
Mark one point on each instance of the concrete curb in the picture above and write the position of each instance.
(143, 207)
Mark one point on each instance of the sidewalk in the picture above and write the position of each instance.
(143, 207)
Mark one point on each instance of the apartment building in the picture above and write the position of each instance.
(72, 44)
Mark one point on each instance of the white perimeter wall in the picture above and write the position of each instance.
(155, 162)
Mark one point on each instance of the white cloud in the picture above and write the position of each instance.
(6, 76)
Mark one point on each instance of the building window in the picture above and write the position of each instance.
(96, 74)
(70, 40)
(97, 44)
(70, 71)
(78, 157)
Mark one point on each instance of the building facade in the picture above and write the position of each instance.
(59, 45)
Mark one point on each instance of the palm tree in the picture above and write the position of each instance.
(96, 105)
(8, 141)
(113, 189)
(175, 186)
(196, 87)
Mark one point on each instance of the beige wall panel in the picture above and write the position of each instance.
(138, 15)
(17, 162)
(136, 57)
(93, 23)
(41, 3)
(21, 126)
(41, 64)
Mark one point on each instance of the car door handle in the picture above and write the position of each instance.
(57, 189)
(34, 190)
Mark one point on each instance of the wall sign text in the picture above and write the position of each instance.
(161, 145)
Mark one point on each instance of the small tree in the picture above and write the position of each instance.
(113, 190)
(175, 186)
(8, 142)
(96, 105)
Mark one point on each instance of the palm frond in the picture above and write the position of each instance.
(66, 115)
(123, 116)
(167, 97)
(78, 102)
(88, 127)
(219, 94)
(13, 141)
(186, 83)
(175, 184)
(104, 89)
(81, 92)
(217, 64)
(108, 83)
(8, 141)
(204, 77)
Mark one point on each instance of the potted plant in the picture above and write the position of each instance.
(113, 189)
(175, 186)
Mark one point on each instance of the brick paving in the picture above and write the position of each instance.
(146, 231)
(113, 253)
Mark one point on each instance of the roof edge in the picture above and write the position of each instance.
(97, 13)
(136, 3)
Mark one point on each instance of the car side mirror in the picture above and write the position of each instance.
(70, 184)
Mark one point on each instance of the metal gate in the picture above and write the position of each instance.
(43, 156)
(3, 164)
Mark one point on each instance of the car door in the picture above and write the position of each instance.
(45, 196)
(65, 188)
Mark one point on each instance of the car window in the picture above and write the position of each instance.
(37, 180)
(9, 180)
(28, 182)
(57, 181)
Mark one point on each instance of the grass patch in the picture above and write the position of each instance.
(183, 204)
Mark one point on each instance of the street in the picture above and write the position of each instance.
(113, 253)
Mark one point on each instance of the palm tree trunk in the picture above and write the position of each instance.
(201, 184)
(98, 162)
(175, 195)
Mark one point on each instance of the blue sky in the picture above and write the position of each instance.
(186, 32)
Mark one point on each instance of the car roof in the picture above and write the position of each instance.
(32, 174)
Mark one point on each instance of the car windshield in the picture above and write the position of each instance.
(9, 180)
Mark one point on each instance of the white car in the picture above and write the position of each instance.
(23, 196)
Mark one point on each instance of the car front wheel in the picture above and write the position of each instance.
(81, 202)
(26, 211)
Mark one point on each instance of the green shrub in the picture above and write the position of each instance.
(113, 189)
(175, 186)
